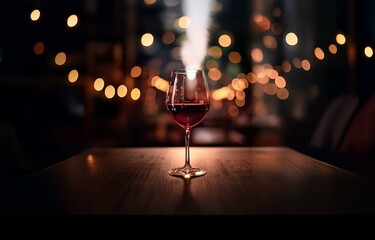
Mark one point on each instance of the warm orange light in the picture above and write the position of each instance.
(240, 103)
(72, 20)
(147, 39)
(262, 78)
(271, 73)
(216, 105)
(368, 52)
(168, 37)
(291, 39)
(332, 49)
(91, 163)
(99, 84)
(90, 158)
(225, 40)
(160, 83)
(269, 42)
(319, 54)
(240, 95)
(110, 91)
(270, 89)
(122, 90)
(135, 94)
(233, 111)
(257, 55)
(35, 15)
(280, 82)
(231, 94)
(184, 22)
(242, 76)
(38, 48)
(135, 71)
(286, 66)
(211, 64)
(251, 77)
(153, 80)
(234, 57)
(214, 74)
(276, 12)
(283, 93)
(215, 52)
(221, 93)
(239, 84)
(73, 76)
(150, 2)
(340, 39)
(262, 22)
(297, 62)
(60, 58)
(306, 65)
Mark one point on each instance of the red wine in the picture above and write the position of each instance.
(187, 115)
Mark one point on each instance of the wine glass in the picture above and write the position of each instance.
(187, 101)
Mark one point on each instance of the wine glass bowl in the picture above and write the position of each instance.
(187, 101)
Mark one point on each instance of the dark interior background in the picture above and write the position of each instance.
(44, 118)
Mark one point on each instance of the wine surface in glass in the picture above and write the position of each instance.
(188, 115)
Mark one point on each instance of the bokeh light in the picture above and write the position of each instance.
(122, 90)
(72, 20)
(39, 48)
(135, 94)
(291, 39)
(184, 22)
(340, 39)
(332, 49)
(73, 76)
(135, 71)
(319, 54)
(110, 91)
(35, 15)
(99, 84)
(60, 58)
(368, 52)
(225, 40)
(147, 39)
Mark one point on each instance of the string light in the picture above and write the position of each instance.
(235, 90)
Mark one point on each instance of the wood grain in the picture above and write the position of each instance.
(239, 181)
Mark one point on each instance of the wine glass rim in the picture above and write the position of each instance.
(184, 70)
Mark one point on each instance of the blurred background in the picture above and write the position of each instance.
(92, 73)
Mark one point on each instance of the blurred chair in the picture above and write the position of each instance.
(359, 139)
(334, 122)
(357, 148)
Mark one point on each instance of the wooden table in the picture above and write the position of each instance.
(239, 181)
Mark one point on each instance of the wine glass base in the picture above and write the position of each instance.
(187, 172)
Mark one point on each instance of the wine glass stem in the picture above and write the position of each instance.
(187, 151)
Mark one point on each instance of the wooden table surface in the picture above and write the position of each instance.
(239, 181)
